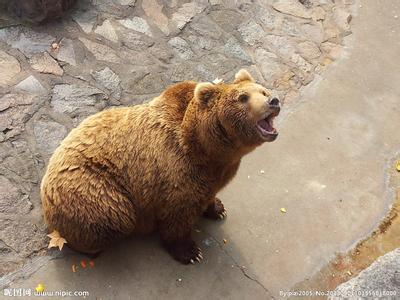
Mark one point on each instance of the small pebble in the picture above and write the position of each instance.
(55, 46)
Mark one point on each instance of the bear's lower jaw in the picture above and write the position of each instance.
(268, 137)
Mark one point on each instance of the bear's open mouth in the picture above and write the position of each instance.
(266, 125)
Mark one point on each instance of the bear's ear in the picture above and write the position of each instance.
(243, 75)
(205, 91)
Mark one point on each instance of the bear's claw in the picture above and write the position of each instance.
(185, 251)
(216, 210)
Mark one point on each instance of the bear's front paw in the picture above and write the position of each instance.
(215, 210)
(185, 251)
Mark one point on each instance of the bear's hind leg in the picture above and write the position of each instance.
(88, 210)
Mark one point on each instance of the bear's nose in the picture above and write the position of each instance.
(274, 102)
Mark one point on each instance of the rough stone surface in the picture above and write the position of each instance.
(342, 18)
(75, 99)
(100, 51)
(269, 65)
(382, 276)
(154, 11)
(112, 52)
(309, 50)
(137, 24)
(292, 7)
(26, 40)
(181, 47)
(30, 85)
(48, 135)
(44, 63)
(85, 19)
(251, 32)
(15, 111)
(12, 200)
(233, 47)
(22, 236)
(107, 30)
(9, 68)
(127, 2)
(66, 52)
(186, 12)
(109, 80)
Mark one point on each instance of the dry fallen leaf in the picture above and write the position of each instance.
(225, 241)
(91, 263)
(218, 81)
(283, 210)
(55, 46)
(56, 240)
(398, 165)
(73, 268)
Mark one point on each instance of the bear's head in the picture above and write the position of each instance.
(241, 113)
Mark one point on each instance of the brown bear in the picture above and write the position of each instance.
(155, 166)
(39, 11)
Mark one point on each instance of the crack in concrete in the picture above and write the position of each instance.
(240, 267)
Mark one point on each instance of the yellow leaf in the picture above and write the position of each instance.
(56, 240)
(61, 242)
(39, 288)
(283, 210)
(398, 165)
(53, 243)
(54, 234)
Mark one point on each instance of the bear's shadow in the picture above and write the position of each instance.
(142, 261)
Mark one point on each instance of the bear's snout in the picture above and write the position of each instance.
(274, 102)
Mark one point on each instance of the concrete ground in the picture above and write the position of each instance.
(327, 169)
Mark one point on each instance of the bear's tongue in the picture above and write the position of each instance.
(265, 124)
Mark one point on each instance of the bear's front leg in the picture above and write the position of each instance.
(215, 210)
(175, 235)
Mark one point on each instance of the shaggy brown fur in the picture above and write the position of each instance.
(155, 166)
(39, 11)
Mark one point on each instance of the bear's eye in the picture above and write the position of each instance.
(264, 93)
(244, 98)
